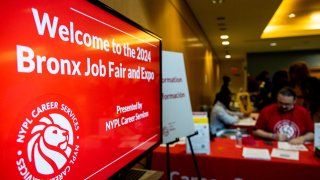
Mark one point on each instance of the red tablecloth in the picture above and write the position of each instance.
(226, 162)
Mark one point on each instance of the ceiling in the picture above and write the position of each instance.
(245, 20)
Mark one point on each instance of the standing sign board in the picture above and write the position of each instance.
(177, 113)
(80, 90)
(201, 141)
(317, 134)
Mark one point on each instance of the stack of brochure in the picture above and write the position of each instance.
(255, 153)
(288, 151)
(285, 154)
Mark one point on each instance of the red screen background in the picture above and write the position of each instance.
(87, 102)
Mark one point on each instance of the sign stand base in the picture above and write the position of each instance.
(168, 156)
(193, 155)
(192, 152)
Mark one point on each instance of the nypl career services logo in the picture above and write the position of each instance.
(48, 141)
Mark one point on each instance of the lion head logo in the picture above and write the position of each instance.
(50, 145)
(287, 127)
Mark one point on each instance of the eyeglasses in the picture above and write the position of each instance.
(285, 104)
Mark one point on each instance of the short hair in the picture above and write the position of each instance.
(224, 98)
(287, 91)
(299, 70)
(226, 79)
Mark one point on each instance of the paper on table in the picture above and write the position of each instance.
(254, 116)
(279, 153)
(246, 122)
(255, 153)
(287, 146)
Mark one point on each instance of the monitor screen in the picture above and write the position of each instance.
(80, 94)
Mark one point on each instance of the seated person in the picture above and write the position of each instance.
(285, 120)
(220, 116)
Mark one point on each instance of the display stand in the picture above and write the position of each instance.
(192, 152)
(193, 155)
(177, 112)
(168, 156)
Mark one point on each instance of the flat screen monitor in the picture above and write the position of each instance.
(80, 94)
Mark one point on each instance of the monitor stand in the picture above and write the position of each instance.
(142, 174)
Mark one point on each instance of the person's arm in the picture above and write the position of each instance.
(259, 129)
(225, 117)
(268, 135)
(235, 113)
(263, 134)
(309, 136)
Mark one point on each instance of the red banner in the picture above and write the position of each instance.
(80, 90)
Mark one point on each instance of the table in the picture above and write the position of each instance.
(226, 162)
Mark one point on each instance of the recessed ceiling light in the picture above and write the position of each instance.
(227, 56)
(217, 1)
(273, 44)
(225, 43)
(224, 37)
(307, 23)
(292, 15)
(315, 17)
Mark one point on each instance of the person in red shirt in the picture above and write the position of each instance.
(285, 120)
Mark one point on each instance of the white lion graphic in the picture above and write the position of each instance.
(49, 147)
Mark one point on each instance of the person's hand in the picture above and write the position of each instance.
(281, 137)
(297, 141)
